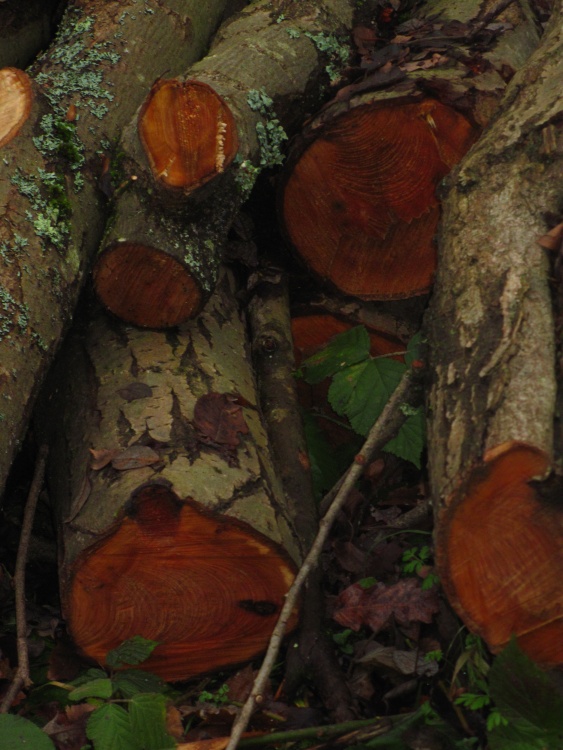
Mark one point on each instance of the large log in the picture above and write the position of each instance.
(173, 523)
(358, 204)
(84, 88)
(194, 152)
(491, 406)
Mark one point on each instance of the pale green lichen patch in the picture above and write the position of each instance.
(270, 133)
(12, 314)
(331, 46)
(51, 205)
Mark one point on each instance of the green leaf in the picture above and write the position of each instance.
(409, 442)
(345, 349)
(132, 652)
(133, 681)
(148, 720)
(18, 733)
(101, 688)
(327, 465)
(528, 699)
(362, 390)
(109, 728)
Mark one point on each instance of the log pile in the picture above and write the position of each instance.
(172, 518)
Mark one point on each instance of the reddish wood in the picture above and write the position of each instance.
(359, 204)
(146, 286)
(16, 96)
(188, 132)
(500, 554)
(208, 587)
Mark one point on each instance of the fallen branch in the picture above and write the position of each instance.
(21, 678)
(386, 426)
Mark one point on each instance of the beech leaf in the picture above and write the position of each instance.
(219, 419)
(374, 607)
(135, 457)
(345, 349)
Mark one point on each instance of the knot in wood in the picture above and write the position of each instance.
(269, 344)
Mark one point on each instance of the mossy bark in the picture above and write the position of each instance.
(492, 395)
(265, 51)
(87, 85)
(137, 393)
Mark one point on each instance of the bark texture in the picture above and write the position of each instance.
(86, 85)
(359, 203)
(170, 222)
(491, 401)
(162, 431)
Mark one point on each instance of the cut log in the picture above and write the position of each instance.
(358, 202)
(173, 524)
(86, 86)
(499, 518)
(191, 157)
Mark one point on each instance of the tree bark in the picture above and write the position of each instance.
(161, 254)
(173, 524)
(499, 542)
(25, 30)
(88, 83)
(358, 202)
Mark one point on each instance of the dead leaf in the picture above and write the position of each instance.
(135, 457)
(219, 419)
(68, 728)
(404, 662)
(374, 607)
(102, 457)
(553, 239)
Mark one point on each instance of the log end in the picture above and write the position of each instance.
(359, 204)
(500, 553)
(16, 95)
(188, 133)
(146, 286)
(208, 588)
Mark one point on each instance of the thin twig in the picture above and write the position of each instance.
(388, 423)
(21, 678)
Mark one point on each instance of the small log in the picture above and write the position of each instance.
(358, 202)
(192, 154)
(491, 415)
(173, 524)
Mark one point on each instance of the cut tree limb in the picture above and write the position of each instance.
(358, 203)
(173, 524)
(499, 544)
(191, 156)
(86, 85)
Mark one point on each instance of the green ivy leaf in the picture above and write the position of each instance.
(133, 681)
(528, 699)
(148, 721)
(131, 652)
(101, 688)
(17, 733)
(109, 728)
(345, 349)
(409, 442)
(362, 390)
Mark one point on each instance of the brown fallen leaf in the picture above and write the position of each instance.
(102, 457)
(219, 419)
(135, 390)
(553, 239)
(405, 600)
(135, 457)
